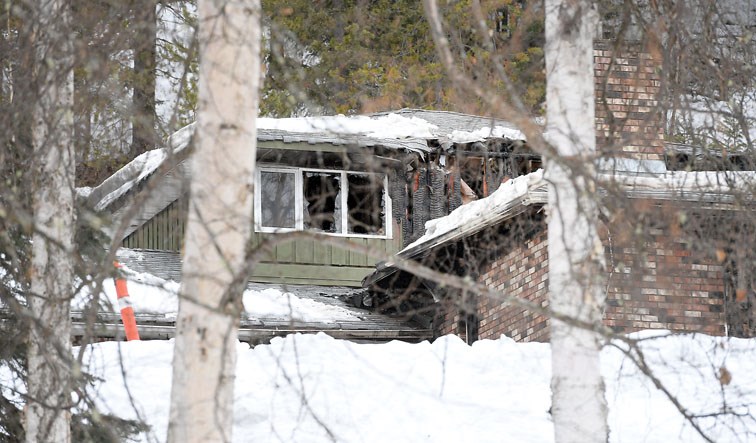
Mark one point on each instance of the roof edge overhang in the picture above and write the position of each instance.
(711, 190)
(536, 195)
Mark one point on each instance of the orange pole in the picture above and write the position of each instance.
(127, 311)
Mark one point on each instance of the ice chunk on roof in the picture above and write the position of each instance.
(484, 133)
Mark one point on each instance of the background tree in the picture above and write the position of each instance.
(178, 62)
(41, 267)
(144, 135)
(115, 81)
(366, 56)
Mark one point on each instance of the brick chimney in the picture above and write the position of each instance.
(629, 120)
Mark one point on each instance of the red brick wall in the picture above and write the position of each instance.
(660, 283)
(665, 281)
(628, 119)
(448, 320)
(522, 273)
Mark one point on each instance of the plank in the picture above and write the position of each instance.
(310, 274)
(304, 249)
(357, 258)
(284, 252)
(322, 254)
(339, 256)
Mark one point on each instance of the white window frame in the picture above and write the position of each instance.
(299, 198)
(258, 199)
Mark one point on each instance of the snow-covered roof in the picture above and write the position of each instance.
(461, 128)
(630, 166)
(406, 125)
(139, 169)
(694, 186)
(528, 189)
(417, 145)
(716, 123)
(408, 130)
(392, 126)
(509, 200)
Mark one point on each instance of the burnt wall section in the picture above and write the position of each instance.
(398, 192)
(420, 209)
(432, 192)
(629, 120)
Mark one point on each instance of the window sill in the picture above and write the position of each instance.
(264, 230)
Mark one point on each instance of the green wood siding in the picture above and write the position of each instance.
(299, 261)
(165, 231)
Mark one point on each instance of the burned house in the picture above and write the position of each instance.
(332, 195)
(328, 176)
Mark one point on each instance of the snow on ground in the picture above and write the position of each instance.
(273, 302)
(153, 295)
(148, 295)
(303, 387)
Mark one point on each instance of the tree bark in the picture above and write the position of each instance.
(49, 353)
(143, 100)
(219, 222)
(575, 253)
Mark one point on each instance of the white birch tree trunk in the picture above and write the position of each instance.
(49, 352)
(219, 224)
(575, 252)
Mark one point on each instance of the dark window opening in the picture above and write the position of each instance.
(507, 18)
(322, 201)
(365, 203)
(334, 202)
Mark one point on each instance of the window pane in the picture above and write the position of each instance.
(322, 201)
(277, 199)
(366, 204)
